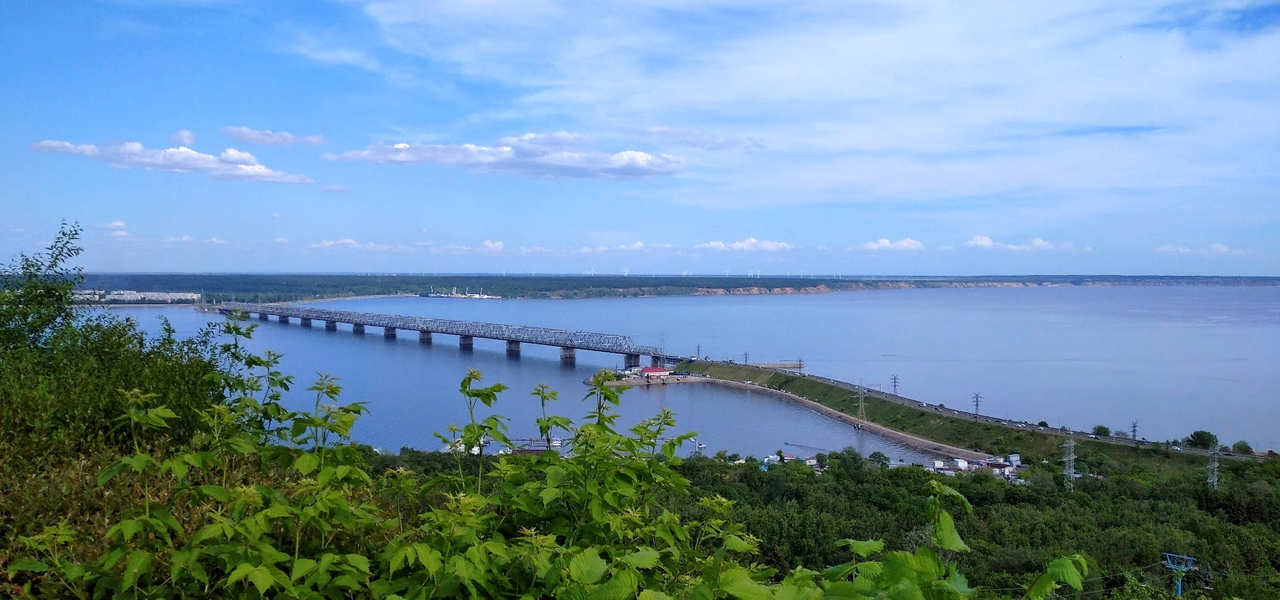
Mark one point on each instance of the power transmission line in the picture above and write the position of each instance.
(894, 381)
(862, 403)
(977, 403)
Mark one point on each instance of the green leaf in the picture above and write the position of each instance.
(240, 572)
(862, 548)
(261, 578)
(216, 492)
(306, 463)
(945, 533)
(110, 472)
(550, 495)
(1064, 570)
(642, 559)
(139, 564)
(843, 589)
(652, 595)
(737, 544)
(301, 568)
(587, 567)
(358, 562)
(738, 583)
(28, 564)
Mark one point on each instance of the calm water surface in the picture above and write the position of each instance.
(1173, 358)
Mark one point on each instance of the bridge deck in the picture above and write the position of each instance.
(580, 340)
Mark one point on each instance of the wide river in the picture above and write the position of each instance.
(1174, 359)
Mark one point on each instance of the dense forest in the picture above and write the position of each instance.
(160, 467)
(288, 287)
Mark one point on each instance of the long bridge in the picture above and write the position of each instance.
(569, 342)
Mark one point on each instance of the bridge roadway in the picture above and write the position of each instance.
(569, 342)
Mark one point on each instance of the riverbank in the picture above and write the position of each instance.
(941, 428)
(905, 439)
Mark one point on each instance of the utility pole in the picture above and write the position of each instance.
(1213, 471)
(1069, 470)
(894, 381)
(800, 365)
(1180, 565)
(698, 353)
(745, 356)
(862, 403)
(1133, 432)
(977, 403)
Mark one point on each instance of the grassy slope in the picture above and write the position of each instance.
(985, 437)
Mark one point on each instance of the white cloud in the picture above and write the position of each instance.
(749, 244)
(231, 164)
(65, 147)
(982, 241)
(902, 244)
(593, 250)
(113, 225)
(120, 233)
(535, 155)
(271, 138)
(276, 215)
(883, 100)
(525, 251)
(354, 245)
(638, 245)
(491, 247)
(281, 240)
(335, 189)
(1210, 250)
(217, 240)
(183, 239)
(183, 137)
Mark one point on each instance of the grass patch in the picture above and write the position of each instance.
(992, 438)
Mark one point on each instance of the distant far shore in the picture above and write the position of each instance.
(319, 288)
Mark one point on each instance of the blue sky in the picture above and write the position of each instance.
(544, 136)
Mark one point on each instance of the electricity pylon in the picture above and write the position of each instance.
(894, 381)
(1069, 469)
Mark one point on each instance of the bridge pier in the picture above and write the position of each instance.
(389, 333)
(630, 361)
(568, 355)
(655, 361)
(262, 316)
(466, 343)
(305, 322)
(357, 329)
(284, 319)
(513, 349)
(330, 325)
(424, 337)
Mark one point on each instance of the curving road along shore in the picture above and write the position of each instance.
(905, 439)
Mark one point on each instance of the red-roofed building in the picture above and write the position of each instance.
(652, 372)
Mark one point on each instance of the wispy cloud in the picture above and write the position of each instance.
(559, 154)
(701, 139)
(119, 233)
(183, 137)
(113, 225)
(231, 164)
(349, 243)
(335, 189)
(1210, 250)
(748, 245)
(986, 243)
(491, 247)
(271, 138)
(885, 244)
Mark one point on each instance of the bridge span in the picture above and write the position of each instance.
(569, 342)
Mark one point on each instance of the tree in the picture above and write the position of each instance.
(879, 458)
(36, 290)
(1242, 447)
(1102, 431)
(1202, 439)
(1042, 424)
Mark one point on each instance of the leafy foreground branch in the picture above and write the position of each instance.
(272, 502)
